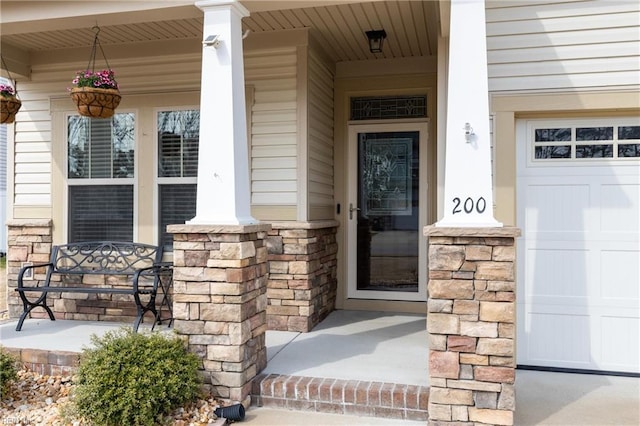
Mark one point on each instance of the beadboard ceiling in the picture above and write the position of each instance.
(411, 28)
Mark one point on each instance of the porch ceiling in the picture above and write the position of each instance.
(411, 26)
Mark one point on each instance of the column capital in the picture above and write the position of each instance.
(235, 5)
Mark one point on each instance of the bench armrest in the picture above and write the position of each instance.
(156, 270)
(24, 269)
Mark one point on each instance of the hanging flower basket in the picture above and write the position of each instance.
(95, 93)
(9, 103)
(9, 107)
(95, 102)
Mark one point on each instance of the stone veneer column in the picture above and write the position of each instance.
(28, 240)
(471, 325)
(219, 302)
(302, 284)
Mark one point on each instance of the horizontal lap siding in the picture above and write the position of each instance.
(274, 153)
(33, 132)
(563, 45)
(320, 139)
(274, 126)
(32, 148)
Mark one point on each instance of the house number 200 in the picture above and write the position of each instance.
(469, 205)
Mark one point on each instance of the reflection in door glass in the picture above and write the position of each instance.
(388, 188)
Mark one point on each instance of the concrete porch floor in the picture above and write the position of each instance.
(382, 347)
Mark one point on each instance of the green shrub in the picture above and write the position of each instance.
(8, 371)
(132, 378)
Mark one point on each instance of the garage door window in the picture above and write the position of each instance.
(629, 141)
(582, 142)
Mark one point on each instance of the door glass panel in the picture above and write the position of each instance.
(388, 188)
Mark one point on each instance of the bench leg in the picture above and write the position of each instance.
(143, 309)
(29, 306)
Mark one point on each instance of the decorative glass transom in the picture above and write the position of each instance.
(388, 107)
(586, 142)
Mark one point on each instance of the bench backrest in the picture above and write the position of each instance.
(104, 257)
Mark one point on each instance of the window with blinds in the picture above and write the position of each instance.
(178, 139)
(100, 158)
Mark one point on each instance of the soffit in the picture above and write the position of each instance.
(411, 28)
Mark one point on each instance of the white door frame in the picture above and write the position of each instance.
(422, 127)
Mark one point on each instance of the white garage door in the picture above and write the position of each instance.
(578, 203)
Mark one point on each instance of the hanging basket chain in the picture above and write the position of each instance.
(14, 82)
(94, 49)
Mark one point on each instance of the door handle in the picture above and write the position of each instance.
(352, 209)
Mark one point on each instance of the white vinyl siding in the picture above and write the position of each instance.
(274, 153)
(542, 45)
(32, 148)
(33, 140)
(320, 138)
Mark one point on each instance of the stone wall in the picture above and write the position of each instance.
(471, 325)
(219, 301)
(302, 284)
(31, 241)
(27, 241)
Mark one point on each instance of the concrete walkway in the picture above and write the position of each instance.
(358, 348)
(546, 398)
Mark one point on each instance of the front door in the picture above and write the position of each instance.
(387, 211)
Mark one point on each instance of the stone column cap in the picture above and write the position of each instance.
(492, 232)
(218, 229)
(313, 224)
(29, 222)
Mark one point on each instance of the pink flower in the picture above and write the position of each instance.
(6, 91)
(101, 79)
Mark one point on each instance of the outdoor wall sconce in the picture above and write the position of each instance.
(468, 132)
(212, 40)
(376, 39)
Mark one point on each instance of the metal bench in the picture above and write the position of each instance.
(140, 264)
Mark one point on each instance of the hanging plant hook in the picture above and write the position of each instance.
(96, 44)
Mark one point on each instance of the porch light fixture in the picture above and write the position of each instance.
(468, 132)
(212, 40)
(376, 39)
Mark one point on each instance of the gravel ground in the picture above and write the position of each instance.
(35, 399)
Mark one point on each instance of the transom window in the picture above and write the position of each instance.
(178, 138)
(388, 107)
(586, 142)
(100, 171)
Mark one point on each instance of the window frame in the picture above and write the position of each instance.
(157, 180)
(133, 181)
(143, 105)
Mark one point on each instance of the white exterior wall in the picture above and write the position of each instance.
(274, 155)
(33, 136)
(320, 138)
(272, 73)
(561, 45)
(32, 147)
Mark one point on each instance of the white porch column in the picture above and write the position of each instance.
(223, 194)
(468, 197)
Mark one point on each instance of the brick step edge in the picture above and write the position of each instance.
(45, 362)
(338, 396)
